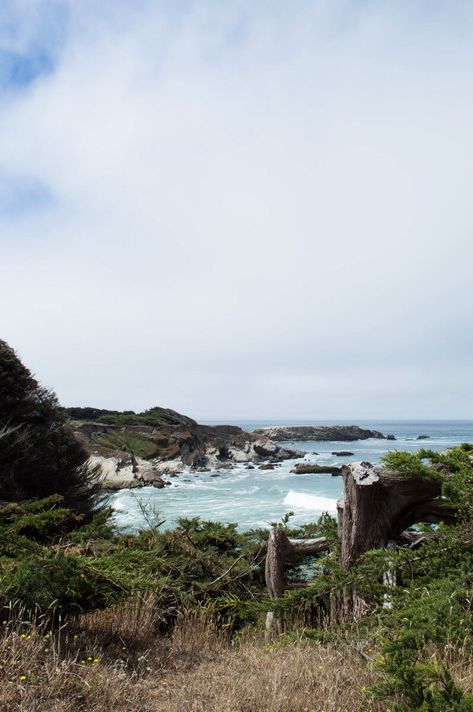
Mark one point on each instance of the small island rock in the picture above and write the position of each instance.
(341, 433)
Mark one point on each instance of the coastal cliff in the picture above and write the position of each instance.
(134, 450)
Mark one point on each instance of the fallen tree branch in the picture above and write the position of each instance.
(282, 550)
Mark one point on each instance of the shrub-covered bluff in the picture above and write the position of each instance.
(133, 450)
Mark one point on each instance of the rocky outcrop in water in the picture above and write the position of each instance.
(309, 469)
(341, 433)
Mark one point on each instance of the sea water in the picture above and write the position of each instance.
(255, 498)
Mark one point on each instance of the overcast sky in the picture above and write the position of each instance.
(240, 209)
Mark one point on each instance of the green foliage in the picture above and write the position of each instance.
(50, 558)
(44, 564)
(411, 673)
(153, 416)
(454, 468)
(429, 619)
(35, 566)
(24, 526)
(99, 528)
(411, 464)
(457, 466)
(94, 414)
(56, 581)
(39, 455)
(139, 445)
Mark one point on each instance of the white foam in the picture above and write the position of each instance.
(119, 506)
(302, 500)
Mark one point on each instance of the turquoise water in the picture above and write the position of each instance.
(253, 498)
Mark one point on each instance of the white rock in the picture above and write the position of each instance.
(238, 455)
(169, 467)
(113, 468)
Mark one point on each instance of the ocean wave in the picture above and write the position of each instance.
(317, 503)
(119, 506)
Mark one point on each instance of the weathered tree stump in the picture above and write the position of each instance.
(379, 505)
(281, 551)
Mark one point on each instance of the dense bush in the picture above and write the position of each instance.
(44, 564)
(154, 417)
(39, 454)
(59, 582)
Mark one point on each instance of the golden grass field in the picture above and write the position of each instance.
(111, 661)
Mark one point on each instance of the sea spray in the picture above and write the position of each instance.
(303, 500)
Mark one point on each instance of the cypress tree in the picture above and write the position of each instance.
(39, 454)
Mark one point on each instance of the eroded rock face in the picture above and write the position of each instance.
(170, 467)
(341, 433)
(265, 448)
(136, 455)
(126, 472)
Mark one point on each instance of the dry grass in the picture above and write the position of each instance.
(295, 678)
(196, 670)
(458, 660)
(34, 677)
(61, 672)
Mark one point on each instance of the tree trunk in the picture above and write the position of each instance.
(282, 550)
(379, 505)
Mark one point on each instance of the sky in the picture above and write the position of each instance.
(240, 209)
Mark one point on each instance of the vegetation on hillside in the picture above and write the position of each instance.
(155, 417)
(411, 656)
(137, 443)
(96, 619)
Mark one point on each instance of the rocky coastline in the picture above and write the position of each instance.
(130, 450)
(130, 454)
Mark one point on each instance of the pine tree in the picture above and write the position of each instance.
(39, 454)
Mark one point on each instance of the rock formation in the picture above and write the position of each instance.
(310, 468)
(342, 433)
(137, 450)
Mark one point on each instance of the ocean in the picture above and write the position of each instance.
(255, 498)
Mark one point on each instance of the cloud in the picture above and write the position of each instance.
(32, 33)
(252, 210)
